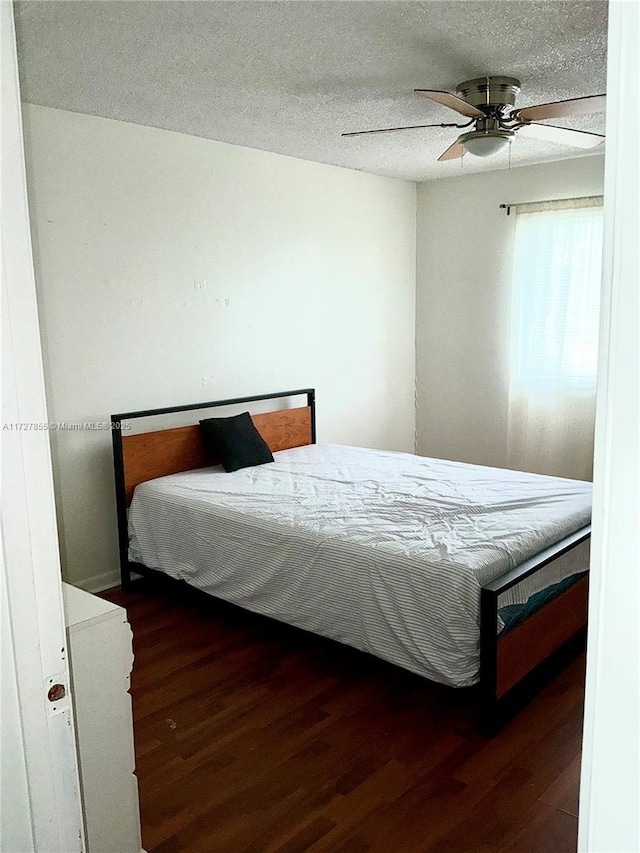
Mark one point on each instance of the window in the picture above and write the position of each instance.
(554, 336)
(556, 296)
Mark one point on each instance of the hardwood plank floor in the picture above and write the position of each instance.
(254, 737)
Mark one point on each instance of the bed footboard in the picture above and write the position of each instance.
(514, 663)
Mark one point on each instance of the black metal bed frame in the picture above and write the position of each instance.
(494, 712)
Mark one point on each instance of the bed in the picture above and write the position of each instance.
(460, 573)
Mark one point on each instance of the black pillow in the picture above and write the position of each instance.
(235, 442)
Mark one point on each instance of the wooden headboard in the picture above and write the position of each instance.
(167, 451)
(145, 456)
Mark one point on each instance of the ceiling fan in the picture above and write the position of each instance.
(489, 103)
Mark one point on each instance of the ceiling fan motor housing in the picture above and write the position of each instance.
(490, 93)
(496, 98)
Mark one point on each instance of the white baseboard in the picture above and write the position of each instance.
(98, 583)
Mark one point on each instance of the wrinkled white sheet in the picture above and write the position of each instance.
(383, 551)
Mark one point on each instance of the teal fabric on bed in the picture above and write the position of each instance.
(513, 614)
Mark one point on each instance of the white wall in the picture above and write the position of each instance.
(462, 313)
(309, 275)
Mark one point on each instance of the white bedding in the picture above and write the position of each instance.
(383, 551)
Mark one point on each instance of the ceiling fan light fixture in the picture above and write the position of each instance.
(485, 143)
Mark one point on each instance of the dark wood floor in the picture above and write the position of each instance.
(253, 737)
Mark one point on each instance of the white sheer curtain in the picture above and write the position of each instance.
(554, 337)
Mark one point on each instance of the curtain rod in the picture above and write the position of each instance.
(581, 201)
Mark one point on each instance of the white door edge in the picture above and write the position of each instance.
(27, 515)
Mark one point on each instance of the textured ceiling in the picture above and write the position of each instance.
(291, 76)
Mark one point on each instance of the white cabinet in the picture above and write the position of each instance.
(101, 659)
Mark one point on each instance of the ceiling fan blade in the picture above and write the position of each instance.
(563, 135)
(451, 101)
(393, 129)
(563, 109)
(453, 152)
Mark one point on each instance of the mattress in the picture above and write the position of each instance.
(382, 551)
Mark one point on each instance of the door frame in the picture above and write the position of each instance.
(41, 790)
(610, 790)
